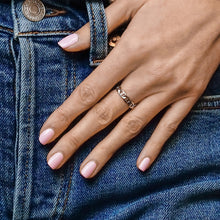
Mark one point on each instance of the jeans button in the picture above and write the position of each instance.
(33, 10)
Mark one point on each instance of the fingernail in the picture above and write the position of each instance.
(68, 41)
(144, 164)
(88, 169)
(46, 136)
(55, 160)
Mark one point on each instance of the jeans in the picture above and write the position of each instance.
(36, 76)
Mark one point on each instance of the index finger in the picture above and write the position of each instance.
(113, 69)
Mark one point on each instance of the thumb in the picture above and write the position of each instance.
(116, 14)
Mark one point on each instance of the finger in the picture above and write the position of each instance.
(129, 126)
(113, 69)
(96, 119)
(116, 14)
(165, 129)
(99, 117)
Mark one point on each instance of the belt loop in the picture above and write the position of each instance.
(98, 31)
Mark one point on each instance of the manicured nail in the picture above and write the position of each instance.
(88, 169)
(55, 160)
(68, 41)
(46, 136)
(144, 164)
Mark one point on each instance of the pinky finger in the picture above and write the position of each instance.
(164, 130)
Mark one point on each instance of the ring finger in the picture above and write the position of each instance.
(128, 127)
(99, 117)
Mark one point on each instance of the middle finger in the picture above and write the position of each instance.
(99, 117)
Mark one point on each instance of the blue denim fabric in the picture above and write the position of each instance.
(36, 76)
(98, 32)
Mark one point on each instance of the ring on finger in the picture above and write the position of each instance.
(125, 97)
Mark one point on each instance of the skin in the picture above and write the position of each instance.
(165, 58)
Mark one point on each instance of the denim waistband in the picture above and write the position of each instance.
(56, 23)
(62, 22)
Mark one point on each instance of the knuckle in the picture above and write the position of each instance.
(103, 114)
(131, 49)
(132, 126)
(186, 84)
(180, 88)
(73, 140)
(170, 127)
(185, 87)
(62, 115)
(86, 94)
(107, 151)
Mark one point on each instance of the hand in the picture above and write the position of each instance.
(165, 58)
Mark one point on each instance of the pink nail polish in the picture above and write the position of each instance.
(68, 41)
(144, 164)
(88, 169)
(46, 136)
(55, 160)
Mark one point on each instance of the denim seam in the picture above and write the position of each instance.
(59, 194)
(74, 75)
(66, 81)
(103, 33)
(98, 32)
(6, 29)
(71, 166)
(211, 98)
(207, 108)
(93, 26)
(28, 137)
(12, 54)
(68, 191)
(44, 32)
(15, 102)
(103, 29)
(16, 17)
(63, 175)
(102, 21)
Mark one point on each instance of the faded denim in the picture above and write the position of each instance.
(36, 76)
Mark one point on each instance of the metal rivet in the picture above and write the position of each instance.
(114, 40)
(33, 10)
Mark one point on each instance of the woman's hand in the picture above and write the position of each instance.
(165, 58)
